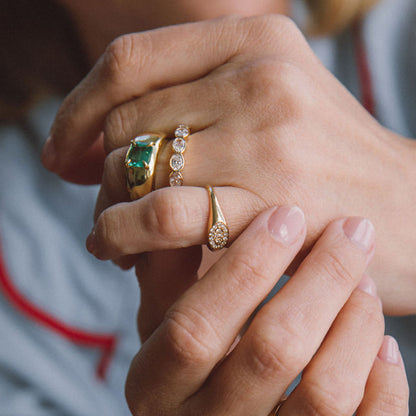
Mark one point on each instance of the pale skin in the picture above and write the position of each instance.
(286, 132)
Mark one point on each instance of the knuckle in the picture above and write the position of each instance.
(281, 24)
(276, 20)
(113, 178)
(116, 128)
(245, 271)
(138, 399)
(265, 360)
(393, 403)
(274, 88)
(335, 267)
(293, 89)
(275, 354)
(167, 217)
(135, 399)
(107, 232)
(368, 310)
(118, 58)
(329, 398)
(186, 334)
(271, 26)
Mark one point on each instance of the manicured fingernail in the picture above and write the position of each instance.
(389, 351)
(361, 232)
(49, 153)
(286, 224)
(91, 242)
(367, 285)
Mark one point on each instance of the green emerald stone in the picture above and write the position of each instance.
(139, 155)
(140, 159)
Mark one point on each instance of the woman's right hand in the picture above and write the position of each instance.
(326, 321)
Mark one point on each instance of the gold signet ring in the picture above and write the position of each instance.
(218, 233)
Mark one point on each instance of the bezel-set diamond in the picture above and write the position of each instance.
(177, 162)
(179, 145)
(175, 179)
(182, 131)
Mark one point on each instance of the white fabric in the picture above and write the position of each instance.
(43, 225)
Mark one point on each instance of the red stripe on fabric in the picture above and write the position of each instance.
(364, 74)
(105, 342)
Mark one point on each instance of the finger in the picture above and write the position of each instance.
(168, 218)
(201, 326)
(126, 262)
(200, 159)
(387, 390)
(335, 379)
(287, 331)
(131, 66)
(163, 276)
(113, 188)
(87, 169)
(195, 104)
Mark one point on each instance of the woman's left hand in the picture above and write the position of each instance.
(270, 126)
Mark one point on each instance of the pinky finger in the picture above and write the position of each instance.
(387, 390)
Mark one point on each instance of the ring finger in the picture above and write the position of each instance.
(166, 219)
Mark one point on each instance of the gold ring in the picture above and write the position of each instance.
(140, 163)
(177, 161)
(218, 232)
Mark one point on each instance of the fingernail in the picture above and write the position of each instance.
(389, 350)
(286, 224)
(367, 285)
(361, 232)
(91, 242)
(48, 153)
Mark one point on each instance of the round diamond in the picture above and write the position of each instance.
(218, 236)
(177, 162)
(179, 145)
(175, 179)
(182, 131)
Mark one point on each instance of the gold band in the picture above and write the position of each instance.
(140, 163)
(218, 233)
(177, 162)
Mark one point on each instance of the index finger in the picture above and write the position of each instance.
(131, 66)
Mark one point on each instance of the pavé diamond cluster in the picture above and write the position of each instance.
(218, 236)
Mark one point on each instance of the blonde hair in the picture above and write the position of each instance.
(333, 16)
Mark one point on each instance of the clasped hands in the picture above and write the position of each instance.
(272, 128)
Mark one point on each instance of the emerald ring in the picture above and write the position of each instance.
(140, 163)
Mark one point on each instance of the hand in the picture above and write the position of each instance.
(271, 126)
(327, 321)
